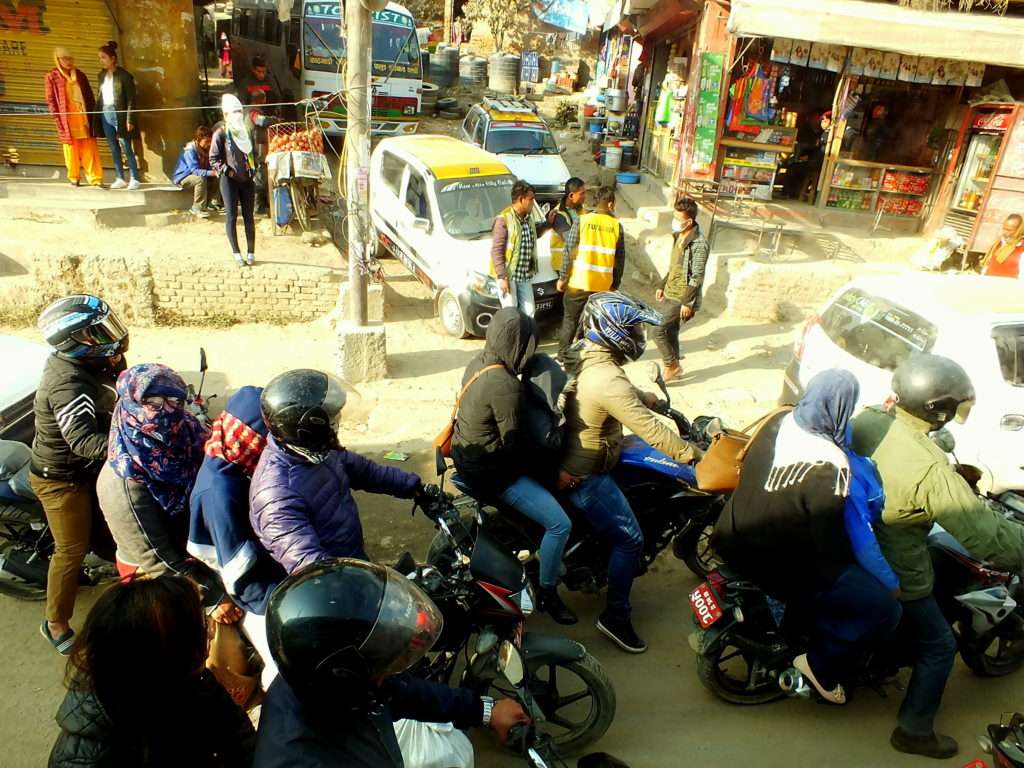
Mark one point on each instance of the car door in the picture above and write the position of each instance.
(481, 130)
(415, 225)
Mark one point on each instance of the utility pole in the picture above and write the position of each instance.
(359, 38)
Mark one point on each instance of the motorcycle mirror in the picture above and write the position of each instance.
(654, 374)
(944, 439)
(202, 360)
(510, 663)
(536, 761)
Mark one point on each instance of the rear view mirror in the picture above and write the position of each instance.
(202, 360)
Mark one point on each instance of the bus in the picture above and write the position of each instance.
(256, 29)
(397, 70)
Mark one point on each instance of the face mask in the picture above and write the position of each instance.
(677, 226)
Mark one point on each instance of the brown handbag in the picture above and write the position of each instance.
(443, 442)
(719, 470)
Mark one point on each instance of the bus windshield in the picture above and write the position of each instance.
(395, 48)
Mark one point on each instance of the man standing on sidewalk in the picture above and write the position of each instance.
(514, 250)
(680, 293)
(598, 265)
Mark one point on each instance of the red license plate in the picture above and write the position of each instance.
(704, 605)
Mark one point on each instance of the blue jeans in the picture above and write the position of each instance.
(851, 616)
(531, 499)
(110, 131)
(607, 510)
(520, 296)
(934, 652)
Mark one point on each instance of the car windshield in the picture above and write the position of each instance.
(518, 140)
(875, 330)
(1009, 341)
(469, 206)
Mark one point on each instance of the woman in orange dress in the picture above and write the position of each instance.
(70, 99)
(1003, 256)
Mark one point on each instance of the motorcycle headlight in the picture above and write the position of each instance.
(484, 284)
(526, 600)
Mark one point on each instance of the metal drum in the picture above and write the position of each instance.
(615, 100)
(444, 66)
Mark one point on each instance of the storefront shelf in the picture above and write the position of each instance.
(910, 194)
(748, 164)
(901, 215)
(851, 210)
(856, 189)
(887, 166)
(968, 211)
(755, 145)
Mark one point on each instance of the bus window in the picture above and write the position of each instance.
(246, 23)
(271, 27)
(395, 45)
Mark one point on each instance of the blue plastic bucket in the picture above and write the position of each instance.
(627, 177)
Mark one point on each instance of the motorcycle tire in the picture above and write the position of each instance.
(730, 689)
(981, 663)
(694, 548)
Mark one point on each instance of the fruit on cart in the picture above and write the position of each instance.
(311, 140)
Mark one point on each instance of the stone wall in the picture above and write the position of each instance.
(147, 291)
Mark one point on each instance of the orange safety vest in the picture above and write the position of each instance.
(594, 265)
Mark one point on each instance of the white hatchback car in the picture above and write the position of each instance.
(872, 324)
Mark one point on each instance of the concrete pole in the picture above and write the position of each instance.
(359, 39)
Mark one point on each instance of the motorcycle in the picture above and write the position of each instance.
(746, 641)
(1005, 741)
(484, 595)
(662, 493)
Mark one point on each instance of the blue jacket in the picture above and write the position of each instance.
(862, 510)
(288, 736)
(220, 533)
(303, 512)
(189, 165)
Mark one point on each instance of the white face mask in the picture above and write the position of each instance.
(677, 226)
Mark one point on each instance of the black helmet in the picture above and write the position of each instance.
(933, 388)
(614, 320)
(82, 327)
(338, 627)
(302, 410)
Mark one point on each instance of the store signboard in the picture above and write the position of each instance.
(712, 66)
(925, 69)
(890, 69)
(858, 60)
(801, 52)
(819, 56)
(531, 66)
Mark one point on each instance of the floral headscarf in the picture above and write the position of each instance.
(158, 446)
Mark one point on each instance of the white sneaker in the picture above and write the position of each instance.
(118, 184)
(134, 184)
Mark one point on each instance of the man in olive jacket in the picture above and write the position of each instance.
(923, 488)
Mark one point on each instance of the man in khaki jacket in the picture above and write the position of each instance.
(599, 402)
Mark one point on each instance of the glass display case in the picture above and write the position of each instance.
(982, 152)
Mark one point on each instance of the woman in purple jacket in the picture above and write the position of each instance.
(300, 500)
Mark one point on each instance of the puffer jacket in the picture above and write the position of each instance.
(206, 730)
(599, 402)
(487, 444)
(73, 406)
(304, 512)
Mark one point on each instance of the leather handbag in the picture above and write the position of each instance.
(443, 442)
(719, 470)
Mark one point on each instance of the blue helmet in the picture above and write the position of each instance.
(615, 321)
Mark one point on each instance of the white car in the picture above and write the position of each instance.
(18, 383)
(512, 129)
(433, 201)
(873, 323)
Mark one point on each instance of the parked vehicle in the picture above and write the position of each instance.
(1005, 741)
(485, 597)
(872, 324)
(433, 201)
(512, 129)
(746, 642)
(19, 380)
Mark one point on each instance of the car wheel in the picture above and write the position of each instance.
(449, 311)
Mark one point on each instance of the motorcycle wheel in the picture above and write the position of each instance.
(694, 548)
(576, 697)
(1003, 655)
(733, 676)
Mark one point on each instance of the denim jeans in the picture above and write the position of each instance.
(607, 510)
(239, 194)
(521, 296)
(934, 650)
(851, 616)
(531, 499)
(666, 335)
(116, 145)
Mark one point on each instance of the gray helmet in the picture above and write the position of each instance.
(933, 388)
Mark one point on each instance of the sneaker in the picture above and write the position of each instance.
(239, 260)
(118, 184)
(933, 745)
(551, 603)
(250, 259)
(199, 213)
(134, 184)
(621, 632)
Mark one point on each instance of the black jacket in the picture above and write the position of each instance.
(486, 446)
(124, 102)
(205, 730)
(289, 736)
(543, 420)
(73, 406)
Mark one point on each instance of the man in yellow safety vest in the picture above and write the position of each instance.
(598, 265)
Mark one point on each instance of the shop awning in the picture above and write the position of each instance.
(623, 8)
(883, 26)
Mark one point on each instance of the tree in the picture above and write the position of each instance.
(504, 18)
(425, 11)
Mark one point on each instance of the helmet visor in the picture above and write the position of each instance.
(407, 626)
(337, 395)
(963, 410)
(110, 330)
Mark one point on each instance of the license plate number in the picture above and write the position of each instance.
(704, 606)
(544, 306)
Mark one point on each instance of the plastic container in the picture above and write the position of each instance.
(589, 110)
(595, 127)
(627, 177)
(615, 100)
(613, 158)
(503, 73)
(473, 71)
(444, 66)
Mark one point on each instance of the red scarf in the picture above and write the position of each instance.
(235, 442)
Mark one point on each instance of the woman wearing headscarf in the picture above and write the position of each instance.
(70, 100)
(232, 157)
(153, 455)
(799, 525)
(220, 533)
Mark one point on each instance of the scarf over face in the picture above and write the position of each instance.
(161, 448)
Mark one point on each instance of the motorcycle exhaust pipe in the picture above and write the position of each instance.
(793, 683)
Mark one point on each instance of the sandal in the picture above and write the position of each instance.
(61, 644)
(836, 696)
